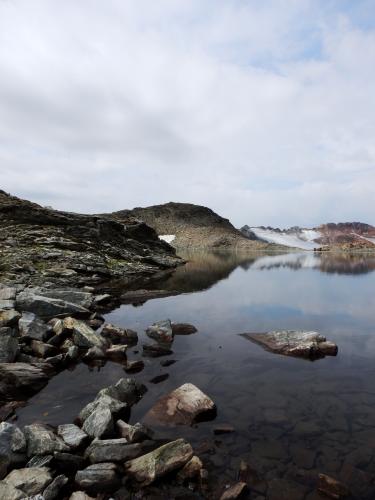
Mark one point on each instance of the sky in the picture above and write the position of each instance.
(263, 111)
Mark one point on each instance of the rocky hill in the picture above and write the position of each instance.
(185, 225)
(345, 236)
(39, 244)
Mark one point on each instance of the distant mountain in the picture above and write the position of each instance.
(346, 235)
(185, 225)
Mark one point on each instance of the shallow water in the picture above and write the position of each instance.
(292, 418)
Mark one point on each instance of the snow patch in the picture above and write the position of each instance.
(167, 237)
(303, 239)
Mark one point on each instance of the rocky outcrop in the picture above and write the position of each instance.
(300, 344)
(41, 244)
(191, 226)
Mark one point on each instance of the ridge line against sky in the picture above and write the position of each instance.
(262, 111)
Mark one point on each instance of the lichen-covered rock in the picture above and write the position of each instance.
(161, 331)
(72, 435)
(119, 335)
(98, 477)
(99, 423)
(41, 440)
(301, 344)
(171, 456)
(8, 345)
(184, 405)
(30, 481)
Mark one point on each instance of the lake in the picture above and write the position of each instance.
(292, 418)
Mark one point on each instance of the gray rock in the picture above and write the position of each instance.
(8, 492)
(7, 304)
(133, 433)
(32, 327)
(42, 441)
(115, 406)
(116, 450)
(43, 350)
(53, 489)
(19, 379)
(161, 331)
(117, 352)
(40, 461)
(70, 295)
(83, 335)
(7, 293)
(127, 390)
(47, 307)
(99, 423)
(12, 447)
(171, 456)
(184, 405)
(9, 317)
(98, 477)
(94, 353)
(68, 461)
(72, 435)
(119, 335)
(301, 344)
(30, 481)
(8, 345)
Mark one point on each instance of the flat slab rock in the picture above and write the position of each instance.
(300, 344)
(185, 405)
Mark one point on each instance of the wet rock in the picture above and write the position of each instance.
(159, 378)
(115, 406)
(119, 335)
(30, 481)
(302, 344)
(19, 379)
(117, 352)
(98, 477)
(184, 405)
(127, 390)
(134, 366)
(116, 450)
(190, 470)
(332, 487)
(161, 331)
(238, 490)
(12, 447)
(47, 307)
(359, 482)
(42, 441)
(8, 345)
(171, 456)
(133, 433)
(43, 350)
(32, 327)
(183, 329)
(9, 317)
(94, 353)
(99, 423)
(72, 435)
(156, 350)
(53, 490)
(8, 492)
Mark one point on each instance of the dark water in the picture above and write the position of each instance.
(292, 418)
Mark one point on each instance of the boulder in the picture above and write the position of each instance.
(9, 317)
(169, 457)
(161, 331)
(32, 327)
(94, 353)
(185, 405)
(40, 461)
(43, 350)
(301, 344)
(41, 440)
(116, 450)
(71, 295)
(133, 433)
(115, 406)
(83, 335)
(30, 481)
(72, 435)
(119, 335)
(53, 490)
(127, 390)
(68, 461)
(8, 492)
(7, 293)
(98, 477)
(48, 307)
(99, 423)
(116, 352)
(8, 345)
(332, 488)
(183, 329)
(20, 379)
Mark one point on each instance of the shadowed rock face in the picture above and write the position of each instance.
(193, 226)
(39, 244)
(309, 345)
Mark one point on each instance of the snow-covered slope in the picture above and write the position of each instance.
(299, 238)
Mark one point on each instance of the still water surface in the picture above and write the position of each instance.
(292, 418)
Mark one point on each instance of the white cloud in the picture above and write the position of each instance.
(263, 111)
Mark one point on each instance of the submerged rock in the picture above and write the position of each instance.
(171, 456)
(30, 481)
(183, 329)
(53, 490)
(184, 405)
(332, 488)
(156, 350)
(301, 344)
(161, 331)
(234, 492)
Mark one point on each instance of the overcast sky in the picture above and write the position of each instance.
(262, 110)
